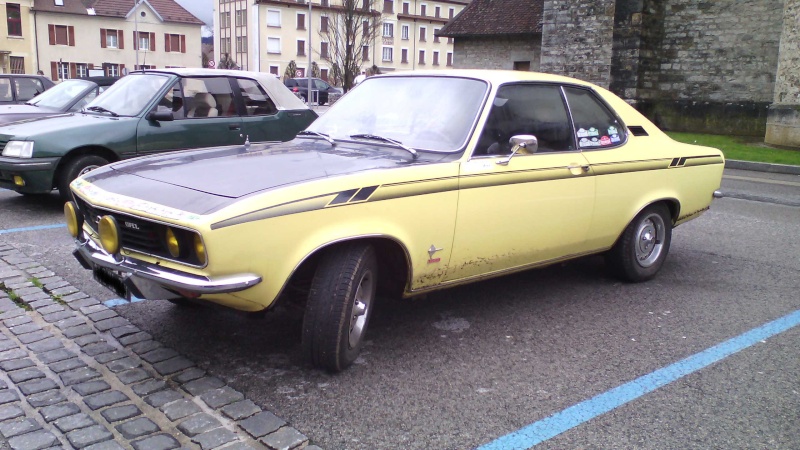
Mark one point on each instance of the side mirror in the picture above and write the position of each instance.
(522, 143)
(161, 116)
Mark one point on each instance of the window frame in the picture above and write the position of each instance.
(14, 22)
(275, 13)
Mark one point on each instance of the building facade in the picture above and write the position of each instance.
(17, 37)
(75, 38)
(269, 35)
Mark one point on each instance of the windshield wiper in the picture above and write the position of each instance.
(385, 139)
(101, 109)
(316, 133)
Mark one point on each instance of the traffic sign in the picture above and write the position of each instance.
(211, 63)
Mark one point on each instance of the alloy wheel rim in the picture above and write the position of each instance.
(649, 240)
(362, 302)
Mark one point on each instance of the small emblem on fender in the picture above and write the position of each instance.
(431, 251)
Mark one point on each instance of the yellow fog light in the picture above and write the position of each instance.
(109, 234)
(173, 245)
(199, 249)
(73, 218)
(19, 181)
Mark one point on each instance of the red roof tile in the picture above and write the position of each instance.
(496, 17)
(169, 10)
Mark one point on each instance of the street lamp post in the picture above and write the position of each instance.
(308, 74)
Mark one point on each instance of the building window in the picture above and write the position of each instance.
(145, 41)
(63, 71)
(323, 73)
(437, 12)
(422, 34)
(452, 12)
(61, 35)
(388, 29)
(241, 18)
(301, 48)
(423, 9)
(365, 28)
(449, 40)
(324, 3)
(274, 45)
(449, 59)
(365, 53)
(323, 24)
(241, 44)
(273, 18)
(436, 35)
(323, 50)
(301, 21)
(112, 70)
(17, 64)
(404, 32)
(274, 70)
(388, 6)
(404, 56)
(422, 57)
(405, 7)
(365, 5)
(387, 54)
(111, 39)
(175, 43)
(81, 70)
(435, 58)
(225, 46)
(225, 20)
(14, 19)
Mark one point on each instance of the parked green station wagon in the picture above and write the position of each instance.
(149, 112)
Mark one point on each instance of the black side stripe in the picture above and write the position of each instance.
(343, 197)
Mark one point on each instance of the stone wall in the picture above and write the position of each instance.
(577, 39)
(496, 52)
(783, 117)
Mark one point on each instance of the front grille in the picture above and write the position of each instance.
(139, 234)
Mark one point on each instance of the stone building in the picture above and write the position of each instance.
(690, 65)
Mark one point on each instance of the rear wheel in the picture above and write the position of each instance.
(641, 250)
(340, 303)
(76, 167)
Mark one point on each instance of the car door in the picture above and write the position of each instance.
(260, 119)
(202, 118)
(516, 211)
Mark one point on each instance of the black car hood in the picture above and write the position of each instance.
(200, 181)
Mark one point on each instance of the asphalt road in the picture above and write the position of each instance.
(462, 367)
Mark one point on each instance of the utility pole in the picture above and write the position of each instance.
(308, 74)
(136, 32)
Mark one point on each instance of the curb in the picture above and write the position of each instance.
(75, 375)
(762, 167)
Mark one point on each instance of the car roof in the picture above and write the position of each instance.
(280, 94)
(101, 81)
(494, 76)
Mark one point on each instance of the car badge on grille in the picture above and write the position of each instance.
(132, 225)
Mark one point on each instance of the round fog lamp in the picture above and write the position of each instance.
(73, 219)
(109, 234)
(199, 249)
(173, 245)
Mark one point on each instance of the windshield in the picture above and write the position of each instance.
(429, 113)
(61, 95)
(130, 95)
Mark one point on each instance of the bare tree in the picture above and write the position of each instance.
(351, 27)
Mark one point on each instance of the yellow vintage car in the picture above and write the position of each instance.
(410, 183)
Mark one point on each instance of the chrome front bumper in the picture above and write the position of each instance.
(150, 281)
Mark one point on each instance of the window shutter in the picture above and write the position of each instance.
(102, 38)
(51, 29)
(121, 69)
(121, 38)
(166, 43)
(90, 66)
(71, 31)
(73, 71)
(152, 42)
(183, 43)
(53, 70)
(135, 41)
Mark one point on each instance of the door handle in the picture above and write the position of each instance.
(577, 169)
(234, 127)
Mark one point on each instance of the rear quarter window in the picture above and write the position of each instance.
(595, 125)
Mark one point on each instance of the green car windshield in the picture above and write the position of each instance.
(130, 95)
(432, 113)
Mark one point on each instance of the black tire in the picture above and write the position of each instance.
(642, 248)
(74, 168)
(333, 330)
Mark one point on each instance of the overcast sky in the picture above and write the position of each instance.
(202, 9)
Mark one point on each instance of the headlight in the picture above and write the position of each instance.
(173, 245)
(109, 234)
(199, 249)
(73, 218)
(19, 149)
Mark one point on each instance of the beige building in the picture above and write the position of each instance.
(16, 37)
(75, 38)
(266, 35)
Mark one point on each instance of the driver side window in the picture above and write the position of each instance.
(173, 101)
(526, 109)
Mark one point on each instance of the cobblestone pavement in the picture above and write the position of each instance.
(75, 375)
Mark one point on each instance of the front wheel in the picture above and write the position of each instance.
(76, 167)
(641, 250)
(339, 306)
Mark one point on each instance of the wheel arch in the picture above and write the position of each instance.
(104, 152)
(672, 204)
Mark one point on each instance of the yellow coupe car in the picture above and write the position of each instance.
(410, 183)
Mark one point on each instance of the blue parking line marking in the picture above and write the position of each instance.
(36, 228)
(573, 416)
(121, 301)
